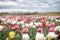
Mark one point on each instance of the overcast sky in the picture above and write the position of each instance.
(30, 5)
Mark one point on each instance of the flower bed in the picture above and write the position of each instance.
(29, 27)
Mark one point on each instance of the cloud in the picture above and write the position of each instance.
(21, 0)
(52, 1)
(11, 3)
(44, 5)
(28, 5)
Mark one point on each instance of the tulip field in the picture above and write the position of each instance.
(29, 27)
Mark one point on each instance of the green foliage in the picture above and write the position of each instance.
(32, 33)
(18, 35)
(2, 35)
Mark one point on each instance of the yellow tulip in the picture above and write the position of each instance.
(2, 22)
(11, 35)
(49, 38)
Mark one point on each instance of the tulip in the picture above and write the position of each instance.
(49, 38)
(58, 36)
(25, 20)
(14, 22)
(20, 19)
(57, 27)
(25, 30)
(7, 38)
(16, 27)
(1, 27)
(11, 35)
(39, 30)
(40, 35)
(39, 25)
(51, 33)
(8, 22)
(25, 35)
(44, 25)
(47, 22)
(49, 26)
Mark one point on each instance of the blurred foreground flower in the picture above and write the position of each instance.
(11, 35)
(1, 27)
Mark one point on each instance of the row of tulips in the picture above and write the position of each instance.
(29, 27)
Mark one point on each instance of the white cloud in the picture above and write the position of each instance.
(52, 1)
(44, 5)
(32, 1)
(11, 3)
(1, 3)
(28, 5)
(21, 0)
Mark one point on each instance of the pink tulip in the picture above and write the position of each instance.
(16, 27)
(52, 29)
(42, 21)
(25, 30)
(25, 20)
(52, 24)
(49, 25)
(21, 18)
(8, 22)
(39, 25)
(39, 18)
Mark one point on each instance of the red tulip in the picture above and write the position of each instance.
(59, 36)
(44, 25)
(39, 30)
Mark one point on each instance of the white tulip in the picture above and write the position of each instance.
(40, 36)
(13, 22)
(52, 35)
(59, 20)
(26, 24)
(25, 37)
(3, 19)
(7, 38)
(56, 20)
(47, 22)
(4, 22)
(1, 27)
(31, 25)
(23, 26)
(22, 22)
(57, 27)
(38, 24)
